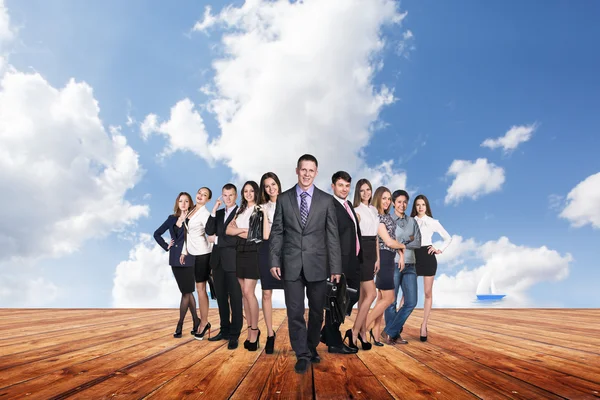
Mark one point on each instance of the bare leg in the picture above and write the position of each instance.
(384, 299)
(203, 306)
(248, 288)
(367, 295)
(267, 306)
(428, 289)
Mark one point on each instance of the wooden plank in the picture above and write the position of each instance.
(284, 382)
(559, 383)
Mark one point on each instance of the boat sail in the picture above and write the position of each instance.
(486, 289)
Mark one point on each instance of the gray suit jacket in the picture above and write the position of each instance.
(311, 249)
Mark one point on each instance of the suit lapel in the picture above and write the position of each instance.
(294, 203)
(230, 217)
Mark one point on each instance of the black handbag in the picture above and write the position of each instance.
(338, 300)
(255, 229)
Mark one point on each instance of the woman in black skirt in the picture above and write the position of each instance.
(270, 188)
(184, 273)
(247, 260)
(425, 256)
(386, 232)
(369, 223)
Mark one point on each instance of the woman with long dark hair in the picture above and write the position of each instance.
(425, 255)
(270, 188)
(368, 219)
(247, 260)
(184, 273)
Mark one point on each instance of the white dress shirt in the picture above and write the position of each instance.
(369, 220)
(196, 243)
(243, 219)
(428, 226)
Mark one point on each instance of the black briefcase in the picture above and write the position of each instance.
(338, 299)
(211, 288)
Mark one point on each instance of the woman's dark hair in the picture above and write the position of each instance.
(359, 184)
(209, 191)
(377, 200)
(244, 202)
(264, 197)
(176, 210)
(398, 193)
(414, 207)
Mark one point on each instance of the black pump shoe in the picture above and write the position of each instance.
(350, 339)
(375, 342)
(423, 338)
(365, 345)
(253, 346)
(200, 336)
(178, 330)
(270, 346)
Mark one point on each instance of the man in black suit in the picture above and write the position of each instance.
(304, 242)
(350, 245)
(222, 262)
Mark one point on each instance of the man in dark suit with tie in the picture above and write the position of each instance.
(350, 245)
(304, 242)
(222, 262)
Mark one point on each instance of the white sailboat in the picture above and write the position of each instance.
(486, 289)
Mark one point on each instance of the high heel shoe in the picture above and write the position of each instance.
(375, 342)
(270, 346)
(200, 336)
(196, 326)
(351, 343)
(423, 338)
(178, 330)
(253, 346)
(365, 345)
(247, 340)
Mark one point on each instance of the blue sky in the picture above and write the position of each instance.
(460, 72)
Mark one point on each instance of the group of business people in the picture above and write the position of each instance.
(309, 237)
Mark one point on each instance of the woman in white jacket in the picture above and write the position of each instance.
(425, 256)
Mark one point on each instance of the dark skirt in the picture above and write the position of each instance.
(369, 253)
(185, 279)
(202, 267)
(267, 282)
(246, 260)
(385, 276)
(426, 263)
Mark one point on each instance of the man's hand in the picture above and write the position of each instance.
(217, 205)
(276, 272)
(336, 278)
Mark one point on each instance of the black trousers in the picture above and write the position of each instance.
(303, 339)
(229, 294)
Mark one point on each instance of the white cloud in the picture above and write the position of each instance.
(473, 179)
(458, 251)
(63, 177)
(512, 139)
(294, 78)
(6, 31)
(145, 279)
(583, 203)
(513, 268)
(21, 290)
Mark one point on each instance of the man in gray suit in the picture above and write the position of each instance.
(304, 242)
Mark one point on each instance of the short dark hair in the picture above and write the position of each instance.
(229, 186)
(398, 193)
(341, 175)
(209, 191)
(307, 157)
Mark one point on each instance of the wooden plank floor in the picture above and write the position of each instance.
(130, 353)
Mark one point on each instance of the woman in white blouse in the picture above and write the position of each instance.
(425, 256)
(368, 219)
(196, 243)
(270, 188)
(247, 260)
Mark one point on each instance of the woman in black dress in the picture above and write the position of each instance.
(247, 260)
(184, 273)
(270, 188)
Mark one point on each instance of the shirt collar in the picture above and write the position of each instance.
(342, 202)
(310, 190)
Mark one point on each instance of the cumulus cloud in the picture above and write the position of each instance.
(458, 252)
(293, 78)
(473, 179)
(6, 31)
(513, 268)
(583, 203)
(63, 176)
(512, 139)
